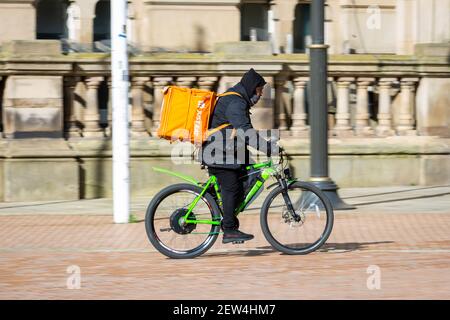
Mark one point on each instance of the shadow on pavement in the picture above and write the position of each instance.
(402, 199)
(240, 252)
(38, 204)
(349, 246)
(327, 247)
(394, 192)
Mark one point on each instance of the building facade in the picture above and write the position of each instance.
(352, 26)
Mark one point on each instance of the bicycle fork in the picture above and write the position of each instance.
(287, 200)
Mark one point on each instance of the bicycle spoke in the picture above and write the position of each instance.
(174, 239)
(291, 233)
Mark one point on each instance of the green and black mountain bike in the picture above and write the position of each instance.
(184, 220)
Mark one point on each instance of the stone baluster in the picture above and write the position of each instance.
(109, 82)
(280, 104)
(158, 84)
(91, 119)
(137, 110)
(405, 125)
(331, 103)
(384, 127)
(299, 128)
(342, 127)
(1, 94)
(186, 82)
(362, 115)
(70, 121)
(148, 104)
(207, 83)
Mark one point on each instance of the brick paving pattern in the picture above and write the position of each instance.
(410, 245)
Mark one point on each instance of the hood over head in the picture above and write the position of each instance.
(251, 80)
(248, 84)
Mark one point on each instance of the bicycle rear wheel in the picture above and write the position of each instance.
(166, 228)
(290, 235)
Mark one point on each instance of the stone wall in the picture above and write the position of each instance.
(192, 25)
(352, 26)
(388, 117)
(66, 170)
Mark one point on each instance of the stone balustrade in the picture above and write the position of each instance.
(371, 114)
(365, 100)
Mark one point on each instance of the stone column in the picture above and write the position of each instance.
(331, 102)
(186, 82)
(70, 127)
(284, 20)
(384, 127)
(79, 105)
(131, 22)
(91, 119)
(342, 127)
(271, 28)
(87, 15)
(137, 111)
(1, 102)
(280, 104)
(73, 22)
(158, 84)
(362, 107)
(207, 83)
(332, 28)
(405, 125)
(148, 104)
(406, 13)
(109, 129)
(299, 128)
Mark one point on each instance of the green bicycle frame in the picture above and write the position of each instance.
(267, 171)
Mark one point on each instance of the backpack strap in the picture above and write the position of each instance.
(212, 131)
(229, 93)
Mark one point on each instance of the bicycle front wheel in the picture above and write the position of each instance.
(290, 234)
(166, 227)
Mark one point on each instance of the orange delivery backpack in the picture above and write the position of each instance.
(185, 114)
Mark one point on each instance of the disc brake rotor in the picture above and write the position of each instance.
(293, 221)
(178, 224)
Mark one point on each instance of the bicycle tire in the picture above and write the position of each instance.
(150, 229)
(279, 246)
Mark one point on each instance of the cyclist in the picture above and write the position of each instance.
(225, 152)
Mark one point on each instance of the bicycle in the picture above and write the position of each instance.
(296, 217)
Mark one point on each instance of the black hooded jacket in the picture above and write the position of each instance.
(221, 150)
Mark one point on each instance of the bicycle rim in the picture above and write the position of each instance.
(297, 237)
(166, 230)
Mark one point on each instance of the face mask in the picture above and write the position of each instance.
(254, 100)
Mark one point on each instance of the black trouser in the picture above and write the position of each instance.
(232, 191)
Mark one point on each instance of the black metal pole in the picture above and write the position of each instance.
(319, 112)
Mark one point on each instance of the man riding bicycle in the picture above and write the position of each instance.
(225, 152)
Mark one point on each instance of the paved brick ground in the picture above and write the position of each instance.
(391, 229)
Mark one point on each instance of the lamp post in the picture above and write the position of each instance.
(120, 128)
(319, 112)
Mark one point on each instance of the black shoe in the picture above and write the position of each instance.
(234, 227)
(235, 236)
